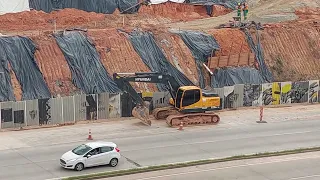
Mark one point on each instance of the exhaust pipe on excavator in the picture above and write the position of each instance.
(142, 112)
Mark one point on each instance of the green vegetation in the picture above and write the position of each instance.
(186, 164)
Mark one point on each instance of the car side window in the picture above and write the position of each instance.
(94, 151)
(105, 149)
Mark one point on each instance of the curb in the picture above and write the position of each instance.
(187, 164)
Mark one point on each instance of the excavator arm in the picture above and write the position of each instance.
(141, 111)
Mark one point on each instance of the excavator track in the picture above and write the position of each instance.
(192, 119)
(164, 112)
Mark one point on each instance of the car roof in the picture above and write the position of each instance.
(100, 143)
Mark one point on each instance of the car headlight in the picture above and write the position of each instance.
(72, 160)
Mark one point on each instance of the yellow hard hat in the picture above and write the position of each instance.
(238, 3)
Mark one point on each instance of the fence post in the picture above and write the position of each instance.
(25, 113)
(62, 111)
(97, 97)
(74, 110)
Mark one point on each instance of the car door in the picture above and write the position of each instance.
(106, 154)
(94, 158)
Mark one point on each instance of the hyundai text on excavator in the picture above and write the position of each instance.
(188, 103)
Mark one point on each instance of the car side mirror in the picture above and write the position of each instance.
(89, 155)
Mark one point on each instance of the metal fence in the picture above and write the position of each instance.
(69, 110)
(241, 95)
(64, 110)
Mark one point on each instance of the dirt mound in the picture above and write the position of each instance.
(39, 20)
(182, 12)
(308, 13)
(67, 18)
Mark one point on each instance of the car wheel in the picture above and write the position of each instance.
(79, 167)
(114, 162)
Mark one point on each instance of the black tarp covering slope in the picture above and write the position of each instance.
(19, 51)
(6, 90)
(150, 53)
(257, 49)
(88, 73)
(98, 6)
(43, 5)
(236, 75)
(232, 4)
(128, 6)
(201, 46)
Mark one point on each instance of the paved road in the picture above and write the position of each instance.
(291, 167)
(35, 154)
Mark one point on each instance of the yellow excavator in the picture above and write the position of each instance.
(188, 104)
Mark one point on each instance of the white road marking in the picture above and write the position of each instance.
(305, 177)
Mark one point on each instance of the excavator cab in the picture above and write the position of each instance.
(191, 99)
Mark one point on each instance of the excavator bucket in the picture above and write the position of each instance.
(142, 113)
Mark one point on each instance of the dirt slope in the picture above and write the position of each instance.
(292, 50)
(118, 55)
(53, 66)
(231, 41)
(177, 53)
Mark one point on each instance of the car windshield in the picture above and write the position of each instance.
(81, 150)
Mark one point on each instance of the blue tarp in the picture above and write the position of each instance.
(19, 51)
(88, 73)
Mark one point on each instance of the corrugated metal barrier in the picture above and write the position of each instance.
(69, 110)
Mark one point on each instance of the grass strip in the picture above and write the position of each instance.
(187, 164)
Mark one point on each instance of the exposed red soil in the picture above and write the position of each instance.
(117, 55)
(17, 90)
(231, 41)
(53, 66)
(177, 11)
(308, 13)
(67, 18)
(182, 12)
(292, 50)
(219, 10)
(178, 54)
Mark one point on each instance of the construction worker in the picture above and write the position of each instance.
(239, 8)
(245, 10)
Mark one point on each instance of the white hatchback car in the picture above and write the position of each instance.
(91, 154)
